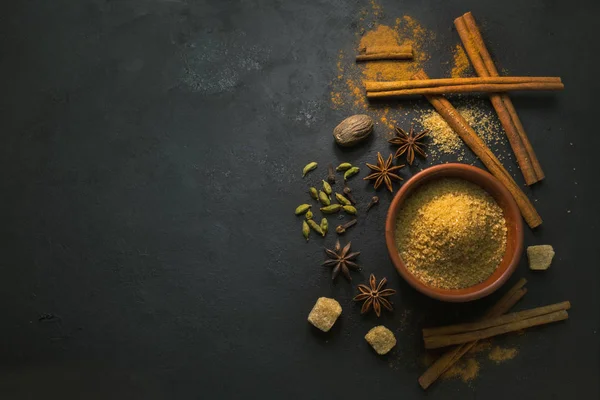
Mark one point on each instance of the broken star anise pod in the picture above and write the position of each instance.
(374, 296)
(410, 143)
(341, 260)
(383, 172)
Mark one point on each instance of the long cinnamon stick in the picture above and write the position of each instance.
(497, 321)
(484, 66)
(483, 88)
(442, 364)
(376, 86)
(434, 342)
(468, 135)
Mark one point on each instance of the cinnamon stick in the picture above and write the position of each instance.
(497, 321)
(483, 88)
(413, 84)
(484, 66)
(406, 48)
(508, 300)
(442, 364)
(385, 53)
(468, 135)
(434, 342)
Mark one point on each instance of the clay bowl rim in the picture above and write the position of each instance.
(495, 189)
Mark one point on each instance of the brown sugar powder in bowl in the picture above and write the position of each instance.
(451, 234)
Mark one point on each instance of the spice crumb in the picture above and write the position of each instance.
(499, 355)
(443, 139)
(461, 63)
(466, 370)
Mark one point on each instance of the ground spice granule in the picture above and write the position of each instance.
(444, 141)
(461, 66)
(347, 89)
(499, 355)
(407, 31)
(466, 370)
(451, 234)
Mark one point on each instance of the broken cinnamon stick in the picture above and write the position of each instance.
(484, 66)
(476, 88)
(468, 135)
(414, 84)
(497, 321)
(385, 53)
(434, 342)
(442, 364)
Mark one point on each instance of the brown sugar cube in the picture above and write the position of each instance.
(381, 339)
(324, 314)
(540, 257)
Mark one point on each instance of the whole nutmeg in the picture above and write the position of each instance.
(353, 130)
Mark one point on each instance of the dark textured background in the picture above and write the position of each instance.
(150, 157)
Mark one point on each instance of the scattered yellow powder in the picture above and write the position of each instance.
(358, 94)
(376, 8)
(347, 89)
(467, 370)
(386, 119)
(499, 355)
(461, 63)
(451, 234)
(444, 141)
(393, 70)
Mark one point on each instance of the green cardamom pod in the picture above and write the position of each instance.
(309, 214)
(323, 198)
(327, 187)
(342, 200)
(351, 172)
(350, 209)
(324, 226)
(305, 230)
(302, 208)
(315, 227)
(313, 193)
(331, 209)
(309, 167)
(343, 166)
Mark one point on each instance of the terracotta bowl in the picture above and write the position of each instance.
(514, 243)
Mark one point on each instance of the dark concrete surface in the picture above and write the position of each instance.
(149, 165)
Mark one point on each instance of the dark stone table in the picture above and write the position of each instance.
(150, 159)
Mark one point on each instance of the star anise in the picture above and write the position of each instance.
(374, 296)
(410, 143)
(341, 260)
(383, 172)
